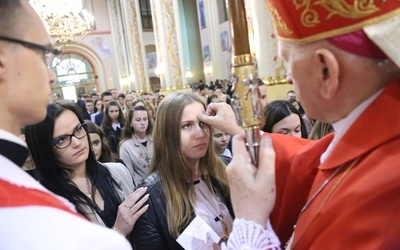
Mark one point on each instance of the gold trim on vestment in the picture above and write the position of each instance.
(341, 31)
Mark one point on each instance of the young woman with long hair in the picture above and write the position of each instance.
(113, 122)
(65, 164)
(187, 177)
(98, 107)
(136, 147)
(101, 149)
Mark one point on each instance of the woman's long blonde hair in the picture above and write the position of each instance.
(172, 167)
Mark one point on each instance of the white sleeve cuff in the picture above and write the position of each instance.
(248, 235)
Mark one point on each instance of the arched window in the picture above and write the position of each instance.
(74, 72)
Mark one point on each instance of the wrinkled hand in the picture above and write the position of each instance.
(130, 210)
(252, 189)
(221, 116)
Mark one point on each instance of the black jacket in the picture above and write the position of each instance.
(151, 230)
(113, 137)
(98, 119)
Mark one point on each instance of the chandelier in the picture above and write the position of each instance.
(66, 20)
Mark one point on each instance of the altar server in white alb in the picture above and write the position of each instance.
(31, 216)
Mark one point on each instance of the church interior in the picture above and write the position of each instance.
(154, 45)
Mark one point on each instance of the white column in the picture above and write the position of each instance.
(180, 25)
(264, 42)
(215, 43)
(209, 34)
(165, 19)
(117, 33)
(159, 48)
(136, 45)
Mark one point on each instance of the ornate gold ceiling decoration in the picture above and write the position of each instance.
(66, 20)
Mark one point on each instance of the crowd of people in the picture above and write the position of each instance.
(146, 166)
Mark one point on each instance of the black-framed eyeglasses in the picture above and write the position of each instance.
(64, 141)
(48, 52)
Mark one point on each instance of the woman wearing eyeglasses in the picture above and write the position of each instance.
(66, 165)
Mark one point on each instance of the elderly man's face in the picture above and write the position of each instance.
(302, 75)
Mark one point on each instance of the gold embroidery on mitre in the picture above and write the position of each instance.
(359, 9)
(309, 17)
(345, 29)
(280, 24)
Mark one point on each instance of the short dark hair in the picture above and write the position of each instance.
(9, 16)
(105, 93)
(121, 95)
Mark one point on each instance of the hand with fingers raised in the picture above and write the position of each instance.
(130, 210)
(221, 116)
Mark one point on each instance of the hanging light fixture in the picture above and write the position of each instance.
(66, 20)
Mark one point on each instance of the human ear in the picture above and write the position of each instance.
(328, 69)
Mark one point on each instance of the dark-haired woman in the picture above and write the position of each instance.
(101, 149)
(283, 118)
(113, 123)
(66, 165)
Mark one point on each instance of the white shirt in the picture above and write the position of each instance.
(343, 125)
(227, 153)
(92, 116)
(116, 125)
